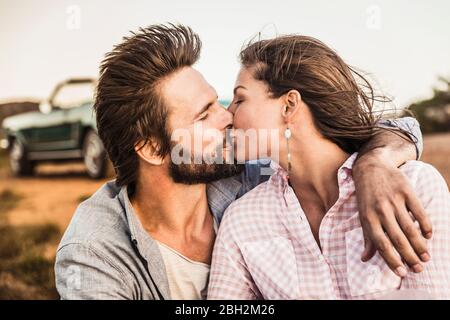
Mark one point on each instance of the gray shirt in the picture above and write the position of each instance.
(105, 252)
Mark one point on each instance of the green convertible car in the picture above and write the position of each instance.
(63, 129)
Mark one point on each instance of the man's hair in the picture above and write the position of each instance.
(129, 106)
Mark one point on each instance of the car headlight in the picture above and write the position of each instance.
(4, 143)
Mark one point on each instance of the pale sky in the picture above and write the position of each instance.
(404, 44)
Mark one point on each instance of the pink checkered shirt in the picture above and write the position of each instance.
(265, 248)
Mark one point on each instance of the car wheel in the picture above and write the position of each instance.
(18, 160)
(94, 155)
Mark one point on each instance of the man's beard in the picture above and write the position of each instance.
(203, 173)
(196, 173)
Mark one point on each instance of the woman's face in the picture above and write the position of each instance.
(257, 115)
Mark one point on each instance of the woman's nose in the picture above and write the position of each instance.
(232, 108)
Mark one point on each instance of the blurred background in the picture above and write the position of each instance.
(51, 158)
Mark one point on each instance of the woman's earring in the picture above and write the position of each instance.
(287, 135)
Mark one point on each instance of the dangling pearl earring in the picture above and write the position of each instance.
(287, 135)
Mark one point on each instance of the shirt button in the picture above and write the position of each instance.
(373, 270)
(374, 277)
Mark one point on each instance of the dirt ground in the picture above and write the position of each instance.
(437, 153)
(52, 195)
(49, 197)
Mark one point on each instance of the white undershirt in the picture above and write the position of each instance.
(188, 279)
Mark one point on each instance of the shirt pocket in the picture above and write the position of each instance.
(273, 267)
(371, 277)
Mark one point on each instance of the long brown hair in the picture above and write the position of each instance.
(340, 99)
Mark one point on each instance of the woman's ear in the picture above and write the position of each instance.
(148, 151)
(291, 104)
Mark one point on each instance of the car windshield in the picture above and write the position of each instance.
(74, 95)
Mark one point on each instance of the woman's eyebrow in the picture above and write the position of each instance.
(238, 87)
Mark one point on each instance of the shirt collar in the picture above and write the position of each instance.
(281, 176)
(345, 170)
(348, 164)
(146, 245)
(221, 194)
(279, 172)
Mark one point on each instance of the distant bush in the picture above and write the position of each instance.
(434, 114)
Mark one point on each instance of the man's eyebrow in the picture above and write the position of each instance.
(238, 87)
(206, 107)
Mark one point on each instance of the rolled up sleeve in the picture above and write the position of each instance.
(410, 126)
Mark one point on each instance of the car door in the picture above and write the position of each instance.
(59, 128)
(50, 132)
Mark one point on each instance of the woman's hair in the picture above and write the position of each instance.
(341, 105)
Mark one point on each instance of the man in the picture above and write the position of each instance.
(149, 234)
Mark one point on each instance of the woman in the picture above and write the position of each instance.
(298, 236)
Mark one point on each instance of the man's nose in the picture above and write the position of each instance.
(227, 116)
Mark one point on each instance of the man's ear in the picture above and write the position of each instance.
(148, 151)
(291, 104)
